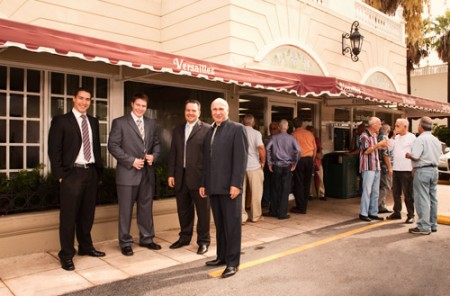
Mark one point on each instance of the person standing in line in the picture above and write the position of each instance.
(274, 129)
(400, 144)
(282, 157)
(254, 176)
(386, 170)
(76, 162)
(185, 174)
(425, 152)
(317, 189)
(226, 153)
(134, 143)
(369, 166)
(304, 169)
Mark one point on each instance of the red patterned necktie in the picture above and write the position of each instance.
(85, 137)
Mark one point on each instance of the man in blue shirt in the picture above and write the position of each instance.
(282, 156)
(425, 153)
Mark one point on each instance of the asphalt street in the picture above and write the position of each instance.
(351, 258)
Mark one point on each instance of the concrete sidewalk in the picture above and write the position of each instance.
(41, 274)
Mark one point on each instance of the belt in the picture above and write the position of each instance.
(425, 166)
(84, 165)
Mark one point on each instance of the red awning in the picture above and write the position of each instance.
(39, 39)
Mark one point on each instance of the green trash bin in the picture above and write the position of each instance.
(340, 174)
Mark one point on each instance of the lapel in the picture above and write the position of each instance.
(74, 123)
(134, 127)
(194, 130)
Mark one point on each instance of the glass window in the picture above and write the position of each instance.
(34, 81)
(2, 104)
(16, 131)
(88, 83)
(362, 115)
(16, 158)
(57, 83)
(16, 106)
(73, 83)
(102, 110)
(33, 131)
(3, 77)
(33, 157)
(254, 106)
(307, 113)
(102, 88)
(16, 79)
(33, 106)
(20, 119)
(57, 106)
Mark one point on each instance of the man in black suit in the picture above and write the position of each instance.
(225, 151)
(134, 142)
(185, 174)
(74, 152)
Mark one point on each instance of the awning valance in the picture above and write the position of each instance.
(39, 39)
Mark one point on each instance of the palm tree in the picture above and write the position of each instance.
(441, 42)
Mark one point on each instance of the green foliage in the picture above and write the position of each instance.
(442, 132)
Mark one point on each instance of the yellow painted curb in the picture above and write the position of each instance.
(443, 220)
(218, 273)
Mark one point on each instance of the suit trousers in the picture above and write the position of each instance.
(227, 218)
(189, 202)
(402, 181)
(254, 181)
(78, 193)
(280, 188)
(302, 182)
(142, 195)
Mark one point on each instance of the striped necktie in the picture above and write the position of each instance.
(141, 128)
(85, 138)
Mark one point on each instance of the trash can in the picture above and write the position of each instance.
(340, 174)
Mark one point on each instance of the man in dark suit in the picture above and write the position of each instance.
(74, 152)
(134, 142)
(225, 151)
(185, 174)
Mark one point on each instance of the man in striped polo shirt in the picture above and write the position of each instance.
(369, 167)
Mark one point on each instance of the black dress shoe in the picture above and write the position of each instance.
(67, 264)
(298, 211)
(152, 246)
(364, 218)
(229, 271)
(284, 217)
(215, 262)
(202, 249)
(178, 244)
(409, 220)
(92, 253)
(127, 251)
(384, 211)
(394, 217)
(376, 218)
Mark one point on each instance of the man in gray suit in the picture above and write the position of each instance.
(134, 142)
(185, 175)
(225, 151)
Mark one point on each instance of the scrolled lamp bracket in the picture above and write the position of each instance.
(356, 41)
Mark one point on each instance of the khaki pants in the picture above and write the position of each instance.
(254, 180)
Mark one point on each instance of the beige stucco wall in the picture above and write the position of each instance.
(232, 32)
(433, 86)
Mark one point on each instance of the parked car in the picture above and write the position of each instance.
(444, 165)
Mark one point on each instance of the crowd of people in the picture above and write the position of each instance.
(225, 168)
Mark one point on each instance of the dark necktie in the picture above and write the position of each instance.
(85, 137)
(141, 128)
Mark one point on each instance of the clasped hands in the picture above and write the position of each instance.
(140, 162)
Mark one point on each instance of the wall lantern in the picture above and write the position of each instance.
(356, 41)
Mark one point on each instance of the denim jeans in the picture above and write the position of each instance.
(370, 192)
(425, 197)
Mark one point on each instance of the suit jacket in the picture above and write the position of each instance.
(194, 155)
(225, 159)
(64, 143)
(125, 144)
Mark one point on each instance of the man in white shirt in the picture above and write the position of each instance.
(402, 181)
(254, 175)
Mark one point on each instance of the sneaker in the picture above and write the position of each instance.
(419, 231)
